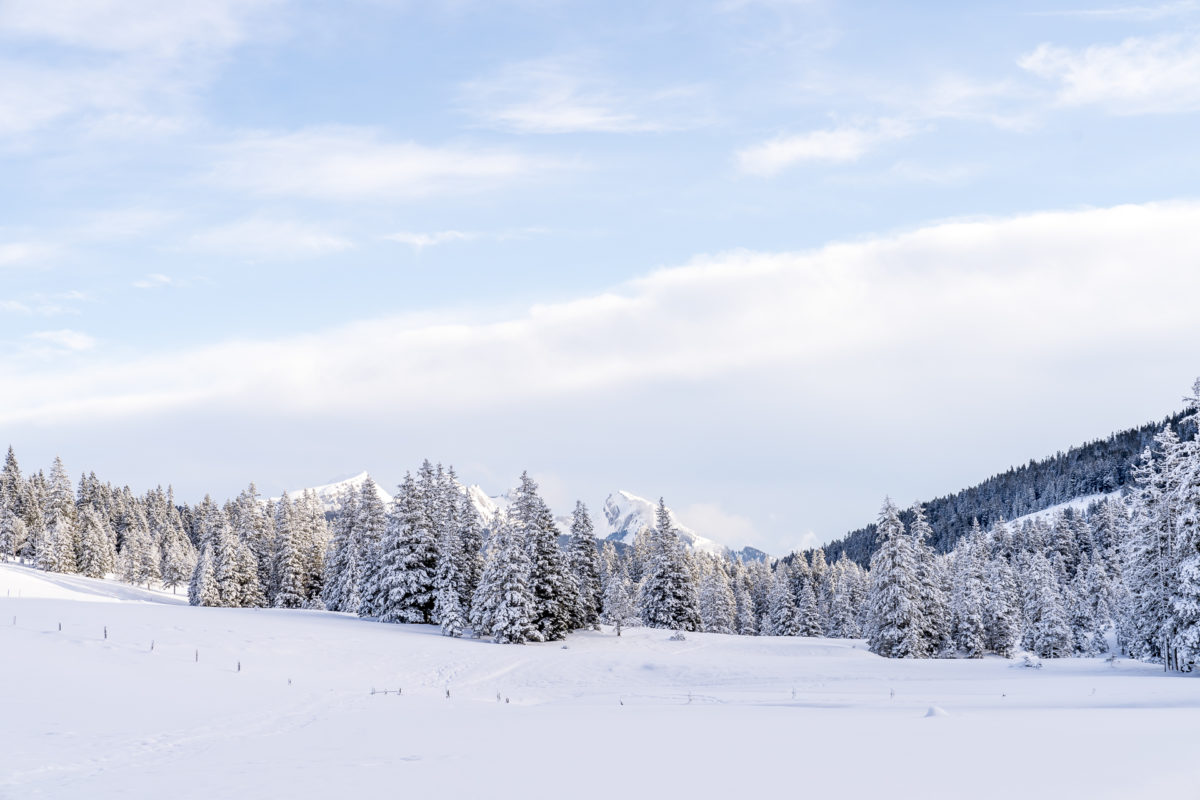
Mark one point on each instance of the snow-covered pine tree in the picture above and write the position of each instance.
(550, 582)
(96, 556)
(140, 559)
(470, 548)
(447, 607)
(341, 591)
(250, 523)
(718, 606)
(1049, 635)
(1001, 609)
(202, 590)
(783, 615)
(288, 572)
(619, 609)
(967, 597)
(179, 555)
(1185, 594)
(370, 528)
(60, 553)
(934, 605)
(503, 605)
(892, 621)
(668, 597)
(408, 558)
(808, 614)
(584, 562)
(745, 622)
(1151, 564)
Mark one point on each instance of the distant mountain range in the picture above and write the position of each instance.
(624, 514)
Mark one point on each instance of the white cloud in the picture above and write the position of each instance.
(128, 62)
(267, 239)
(133, 26)
(419, 241)
(18, 253)
(1120, 13)
(712, 522)
(1138, 76)
(344, 163)
(65, 339)
(154, 280)
(947, 294)
(836, 145)
(565, 96)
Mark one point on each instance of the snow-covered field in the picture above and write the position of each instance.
(84, 716)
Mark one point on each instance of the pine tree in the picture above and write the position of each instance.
(288, 571)
(892, 622)
(341, 591)
(448, 608)
(371, 526)
(584, 562)
(934, 605)
(550, 582)
(967, 598)
(503, 605)
(718, 607)
(807, 614)
(1185, 594)
(783, 615)
(96, 557)
(668, 597)
(470, 546)
(1001, 612)
(408, 559)
(1049, 635)
(202, 591)
(745, 621)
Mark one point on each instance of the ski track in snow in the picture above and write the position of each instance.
(603, 716)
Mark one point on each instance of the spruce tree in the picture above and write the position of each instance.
(718, 607)
(584, 561)
(503, 606)
(550, 582)
(893, 624)
(288, 570)
(403, 590)
(668, 597)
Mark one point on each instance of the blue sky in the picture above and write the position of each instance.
(771, 260)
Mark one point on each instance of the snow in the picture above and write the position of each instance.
(1075, 504)
(625, 514)
(331, 494)
(604, 717)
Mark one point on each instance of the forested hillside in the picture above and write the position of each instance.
(1098, 467)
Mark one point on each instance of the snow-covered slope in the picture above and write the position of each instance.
(1076, 504)
(146, 699)
(626, 514)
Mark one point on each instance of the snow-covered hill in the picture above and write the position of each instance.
(143, 697)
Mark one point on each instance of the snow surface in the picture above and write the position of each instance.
(1075, 504)
(601, 717)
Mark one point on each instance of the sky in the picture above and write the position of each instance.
(771, 260)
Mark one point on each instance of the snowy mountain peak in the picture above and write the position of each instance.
(626, 514)
(330, 494)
